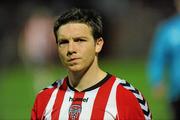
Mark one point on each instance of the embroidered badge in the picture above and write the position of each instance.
(74, 111)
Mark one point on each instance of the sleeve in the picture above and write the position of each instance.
(157, 56)
(40, 104)
(34, 111)
(131, 105)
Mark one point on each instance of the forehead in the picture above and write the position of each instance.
(74, 29)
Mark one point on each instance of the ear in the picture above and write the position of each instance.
(99, 45)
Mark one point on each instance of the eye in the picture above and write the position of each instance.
(79, 40)
(63, 41)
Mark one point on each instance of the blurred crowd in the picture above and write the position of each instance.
(26, 27)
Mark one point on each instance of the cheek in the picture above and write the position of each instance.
(61, 54)
(62, 58)
(89, 53)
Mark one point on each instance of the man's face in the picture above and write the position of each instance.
(76, 46)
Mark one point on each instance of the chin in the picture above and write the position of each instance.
(75, 68)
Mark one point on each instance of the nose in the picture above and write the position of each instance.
(71, 48)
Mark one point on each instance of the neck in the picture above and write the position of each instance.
(84, 79)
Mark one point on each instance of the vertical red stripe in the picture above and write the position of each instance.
(58, 102)
(41, 102)
(101, 100)
(76, 105)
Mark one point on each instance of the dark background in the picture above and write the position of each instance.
(129, 24)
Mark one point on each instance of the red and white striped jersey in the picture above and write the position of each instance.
(110, 99)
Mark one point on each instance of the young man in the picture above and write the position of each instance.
(87, 92)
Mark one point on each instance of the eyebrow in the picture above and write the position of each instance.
(64, 38)
(81, 37)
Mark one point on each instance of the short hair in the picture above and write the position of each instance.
(77, 15)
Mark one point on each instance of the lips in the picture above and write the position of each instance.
(73, 59)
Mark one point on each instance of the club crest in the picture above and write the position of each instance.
(74, 111)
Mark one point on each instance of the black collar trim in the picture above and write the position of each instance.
(94, 86)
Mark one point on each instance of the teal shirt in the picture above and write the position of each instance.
(165, 53)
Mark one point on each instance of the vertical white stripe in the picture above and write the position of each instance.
(111, 107)
(49, 107)
(50, 104)
(88, 106)
(64, 112)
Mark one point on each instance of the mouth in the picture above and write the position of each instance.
(73, 59)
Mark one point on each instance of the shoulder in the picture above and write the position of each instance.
(170, 23)
(131, 100)
(42, 99)
(46, 92)
(125, 89)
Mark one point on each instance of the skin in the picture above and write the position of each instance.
(78, 52)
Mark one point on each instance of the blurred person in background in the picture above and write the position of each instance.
(87, 92)
(165, 58)
(36, 48)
